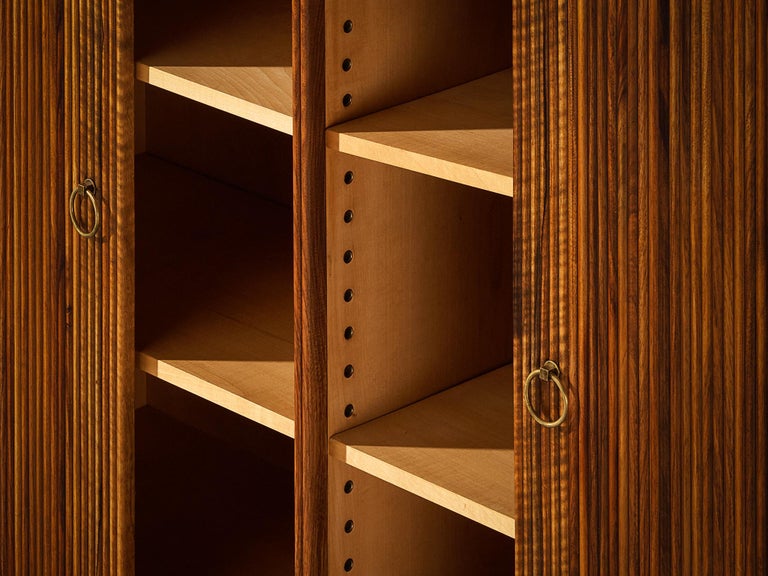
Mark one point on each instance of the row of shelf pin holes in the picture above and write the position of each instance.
(349, 331)
(346, 65)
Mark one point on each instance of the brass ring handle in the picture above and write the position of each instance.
(87, 189)
(549, 372)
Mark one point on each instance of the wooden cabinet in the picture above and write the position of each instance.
(335, 239)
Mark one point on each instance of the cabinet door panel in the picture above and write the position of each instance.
(98, 145)
(67, 353)
(548, 288)
(653, 275)
(32, 308)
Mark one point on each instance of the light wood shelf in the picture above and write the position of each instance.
(233, 56)
(214, 292)
(454, 449)
(463, 134)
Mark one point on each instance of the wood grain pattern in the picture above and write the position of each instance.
(32, 306)
(684, 201)
(664, 113)
(547, 290)
(432, 283)
(454, 449)
(310, 289)
(98, 135)
(67, 356)
(463, 134)
(395, 532)
(402, 50)
(259, 95)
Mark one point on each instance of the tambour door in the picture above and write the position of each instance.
(640, 149)
(66, 250)
(550, 284)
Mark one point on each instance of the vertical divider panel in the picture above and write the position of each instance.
(419, 287)
(309, 288)
(380, 54)
(377, 528)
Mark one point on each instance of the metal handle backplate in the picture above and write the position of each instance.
(87, 189)
(550, 372)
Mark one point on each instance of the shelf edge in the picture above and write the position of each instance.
(423, 488)
(160, 78)
(216, 395)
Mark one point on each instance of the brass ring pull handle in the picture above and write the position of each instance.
(550, 372)
(87, 189)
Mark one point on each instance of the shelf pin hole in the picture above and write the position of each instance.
(348, 565)
(348, 486)
(348, 26)
(348, 255)
(348, 295)
(348, 216)
(349, 332)
(349, 526)
(349, 411)
(348, 177)
(349, 370)
(346, 65)
(347, 100)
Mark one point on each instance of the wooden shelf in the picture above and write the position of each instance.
(205, 506)
(454, 449)
(234, 56)
(215, 293)
(463, 134)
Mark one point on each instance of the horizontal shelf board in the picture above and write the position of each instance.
(454, 449)
(235, 56)
(463, 134)
(214, 304)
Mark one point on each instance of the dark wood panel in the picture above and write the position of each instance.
(32, 307)
(667, 105)
(549, 306)
(673, 163)
(67, 304)
(694, 472)
(97, 135)
(310, 316)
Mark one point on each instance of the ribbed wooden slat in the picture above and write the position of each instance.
(100, 447)
(690, 305)
(31, 300)
(310, 290)
(667, 105)
(66, 304)
(546, 285)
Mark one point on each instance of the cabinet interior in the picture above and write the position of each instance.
(214, 290)
(419, 275)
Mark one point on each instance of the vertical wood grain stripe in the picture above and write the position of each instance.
(66, 353)
(98, 91)
(669, 115)
(309, 278)
(690, 309)
(545, 290)
(31, 301)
